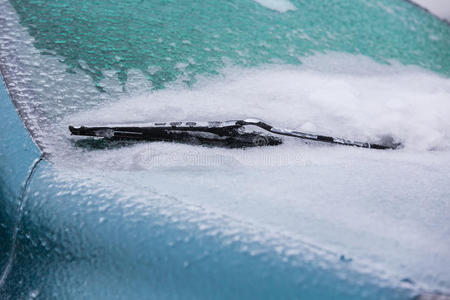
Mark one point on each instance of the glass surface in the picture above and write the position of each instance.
(79, 54)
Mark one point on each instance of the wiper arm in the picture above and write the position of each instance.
(317, 137)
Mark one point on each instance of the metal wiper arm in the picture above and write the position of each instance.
(316, 137)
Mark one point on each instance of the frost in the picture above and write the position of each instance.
(278, 5)
(342, 95)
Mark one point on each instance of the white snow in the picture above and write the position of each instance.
(441, 8)
(278, 5)
(337, 94)
(388, 210)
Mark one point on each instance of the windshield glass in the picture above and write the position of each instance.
(74, 56)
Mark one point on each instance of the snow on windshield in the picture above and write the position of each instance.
(84, 55)
(278, 5)
(384, 207)
(335, 94)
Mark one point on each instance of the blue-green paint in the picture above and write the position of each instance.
(18, 154)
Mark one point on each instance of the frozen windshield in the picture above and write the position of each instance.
(63, 57)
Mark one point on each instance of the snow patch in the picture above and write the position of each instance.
(278, 5)
(387, 210)
(440, 8)
(335, 94)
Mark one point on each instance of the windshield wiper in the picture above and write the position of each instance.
(230, 133)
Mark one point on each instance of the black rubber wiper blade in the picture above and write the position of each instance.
(218, 129)
(154, 129)
(220, 134)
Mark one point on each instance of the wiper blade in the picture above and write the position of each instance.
(222, 134)
(230, 132)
